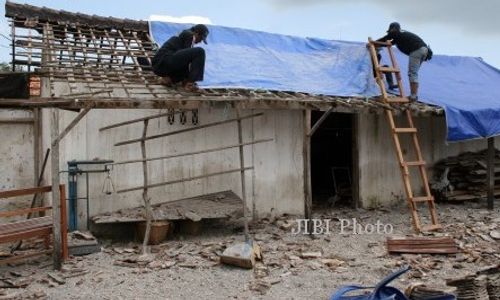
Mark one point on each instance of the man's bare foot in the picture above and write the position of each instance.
(192, 87)
(166, 81)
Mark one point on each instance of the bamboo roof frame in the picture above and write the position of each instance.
(96, 61)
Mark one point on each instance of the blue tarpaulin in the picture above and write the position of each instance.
(467, 88)
(238, 58)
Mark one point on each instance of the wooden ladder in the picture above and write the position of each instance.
(410, 129)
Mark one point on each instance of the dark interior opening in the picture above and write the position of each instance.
(332, 160)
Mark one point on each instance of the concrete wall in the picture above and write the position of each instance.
(274, 186)
(16, 157)
(380, 176)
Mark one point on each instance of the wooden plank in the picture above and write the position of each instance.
(24, 256)
(417, 240)
(422, 245)
(23, 211)
(187, 130)
(24, 192)
(22, 235)
(427, 251)
(21, 225)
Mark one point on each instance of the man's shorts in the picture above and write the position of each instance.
(415, 61)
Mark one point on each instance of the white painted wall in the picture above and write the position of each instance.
(16, 157)
(380, 176)
(274, 186)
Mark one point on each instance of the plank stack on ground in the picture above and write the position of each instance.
(466, 178)
(471, 287)
(429, 245)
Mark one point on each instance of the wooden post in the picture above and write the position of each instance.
(56, 211)
(307, 166)
(491, 172)
(355, 161)
(145, 197)
(13, 37)
(242, 174)
(38, 151)
(36, 144)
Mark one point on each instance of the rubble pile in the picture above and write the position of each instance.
(463, 177)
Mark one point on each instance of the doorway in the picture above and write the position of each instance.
(332, 156)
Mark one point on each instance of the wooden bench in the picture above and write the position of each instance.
(32, 227)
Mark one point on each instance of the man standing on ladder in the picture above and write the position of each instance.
(413, 46)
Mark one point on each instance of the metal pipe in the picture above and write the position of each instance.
(88, 204)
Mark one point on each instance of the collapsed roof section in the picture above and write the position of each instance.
(103, 62)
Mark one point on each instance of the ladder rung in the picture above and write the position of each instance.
(387, 69)
(405, 130)
(381, 43)
(422, 199)
(397, 100)
(431, 227)
(415, 163)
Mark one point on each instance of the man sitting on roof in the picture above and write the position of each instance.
(178, 61)
(413, 46)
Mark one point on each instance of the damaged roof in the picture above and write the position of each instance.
(99, 61)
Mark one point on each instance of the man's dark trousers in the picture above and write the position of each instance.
(184, 64)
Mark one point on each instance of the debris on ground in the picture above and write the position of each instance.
(292, 265)
(242, 255)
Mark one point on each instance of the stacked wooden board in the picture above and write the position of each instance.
(429, 245)
(467, 175)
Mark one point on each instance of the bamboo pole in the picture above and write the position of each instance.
(186, 130)
(71, 125)
(135, 121)
(145, 197)
(242, 174)
(189, 153)
(319, 122)
(182, 180)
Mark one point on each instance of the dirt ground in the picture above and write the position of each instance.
(294, 266)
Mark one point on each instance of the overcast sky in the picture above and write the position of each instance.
(452, 27)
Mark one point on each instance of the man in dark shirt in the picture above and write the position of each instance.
(411, 45)
(179, 61)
